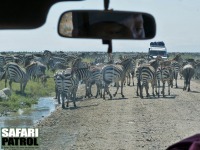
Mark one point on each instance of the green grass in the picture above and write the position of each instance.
(33, 91)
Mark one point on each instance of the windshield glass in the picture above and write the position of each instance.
(155, 53)
(81, 97)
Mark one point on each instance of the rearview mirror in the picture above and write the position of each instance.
(106, 25)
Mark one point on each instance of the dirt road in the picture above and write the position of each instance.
(124, 124)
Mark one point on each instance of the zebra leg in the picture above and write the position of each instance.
(189, 85)
(106, 89)
(58, 96)
(63, 100)
(122, 89)
(147, 90)
(176, 76)
(117, 83)
(163, 89)
(185, 84)
(10, 84)
(5, 82)
(129, 79)
(74, 98)
(133, 78)
(86, 90)
(141, 91)
(56, 91)
(138, 86)
(168, 87)
(158, 87)
(23, 87)
(97, 93)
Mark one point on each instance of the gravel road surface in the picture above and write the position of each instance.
(131, 123)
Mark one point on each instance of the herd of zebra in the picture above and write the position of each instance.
(70, 69)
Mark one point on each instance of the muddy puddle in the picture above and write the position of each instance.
(29, 117)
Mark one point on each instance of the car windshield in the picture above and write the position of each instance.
(155, 53)
(81, 97)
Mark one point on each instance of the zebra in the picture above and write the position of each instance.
(95, 78)
(115, 73)
(164, 73)
(130, 74)
(40, 73)
(147, 73)
(175, 70)
(82, 74)
(55, 60)
(67, 85)
(187, 72)
(15, 73)
(176, 64)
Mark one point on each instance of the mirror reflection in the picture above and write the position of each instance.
(107, 25)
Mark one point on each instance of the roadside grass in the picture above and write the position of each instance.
(33, 91)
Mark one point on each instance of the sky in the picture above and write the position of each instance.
(177, 22)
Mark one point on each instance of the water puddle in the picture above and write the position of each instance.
(29, 117)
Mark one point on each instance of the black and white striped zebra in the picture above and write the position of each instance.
(175, 70)
(53, 62)
(83, 75)
(17, 74)
(66, 87)
(40, 72)
(146, 73)
(130, 74)
(146, 76)
(115, 73)
(95, 78)
(187, 72)
(164, 74)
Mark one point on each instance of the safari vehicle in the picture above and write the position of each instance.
(158, 48)
(74, 25)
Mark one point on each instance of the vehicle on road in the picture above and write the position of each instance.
(158, 48)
